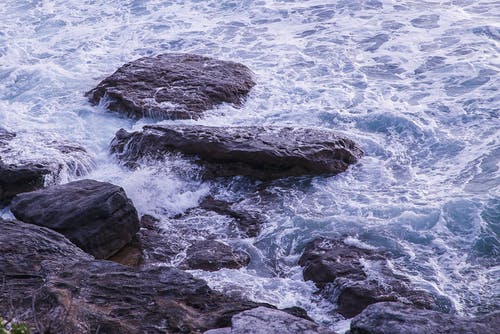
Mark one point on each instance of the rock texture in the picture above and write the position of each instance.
(19, 179)
(257, 152)
(263, 320)
(338, 270)
(211, 255)
(396, 318)
(173, 86)
(57, 288)
(96, 216)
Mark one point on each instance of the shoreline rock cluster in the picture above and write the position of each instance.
(80, 260)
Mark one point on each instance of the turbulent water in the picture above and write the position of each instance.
(414, 82)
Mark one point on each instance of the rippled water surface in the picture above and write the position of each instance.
(414, 82)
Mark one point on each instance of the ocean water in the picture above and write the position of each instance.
(414, 82)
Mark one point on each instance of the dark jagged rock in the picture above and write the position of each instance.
(396, 318)
(213, 255)
(263, 320)
(19, 179)
(97, 216)
(173, 86)
(249, 224)
(258, 152)
(337, 269)
(56, 288)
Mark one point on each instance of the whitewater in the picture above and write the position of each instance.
(415, 83)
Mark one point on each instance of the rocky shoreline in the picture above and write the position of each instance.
(79, 259)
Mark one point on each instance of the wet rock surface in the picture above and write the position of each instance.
(211, 255)
(257, 152)
(19, 179)
(56, 288)
(396, 318)
(173, 86)
(96, 216)
(339, 271)
(152, 246)
(19, 174)
(263, 320)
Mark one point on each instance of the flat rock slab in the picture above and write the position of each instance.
(339, 271)
(253, 151)
(396, 318)
(57, 288)
(96, 216)
(173, 86)
(263, 320)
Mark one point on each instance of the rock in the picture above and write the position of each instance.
(211, 255)
(151, 246)
(395, 318)
(131, 254)
(257, 152)
(18, 179)
(56, 288)
(96, 216)
(29, 254)
(24, 167)
(249, 224)
(262, 320)
(173, 86)
(297, 312)
(150, 223)
(338, 270)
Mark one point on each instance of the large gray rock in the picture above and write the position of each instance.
(56, 288)
(263, 320)
(96, 216)
(173, 86)
(258, 152)
(338, 270)
(397, 318)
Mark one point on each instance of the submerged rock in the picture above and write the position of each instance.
(257, 152)
(211, 255)
(21, 172)
(151, 246)
(173, 86)
(339, 271)
(19, 179)
(56, 288)
(263, 320)
(396, 318)
(96, 216)
(248, 223)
